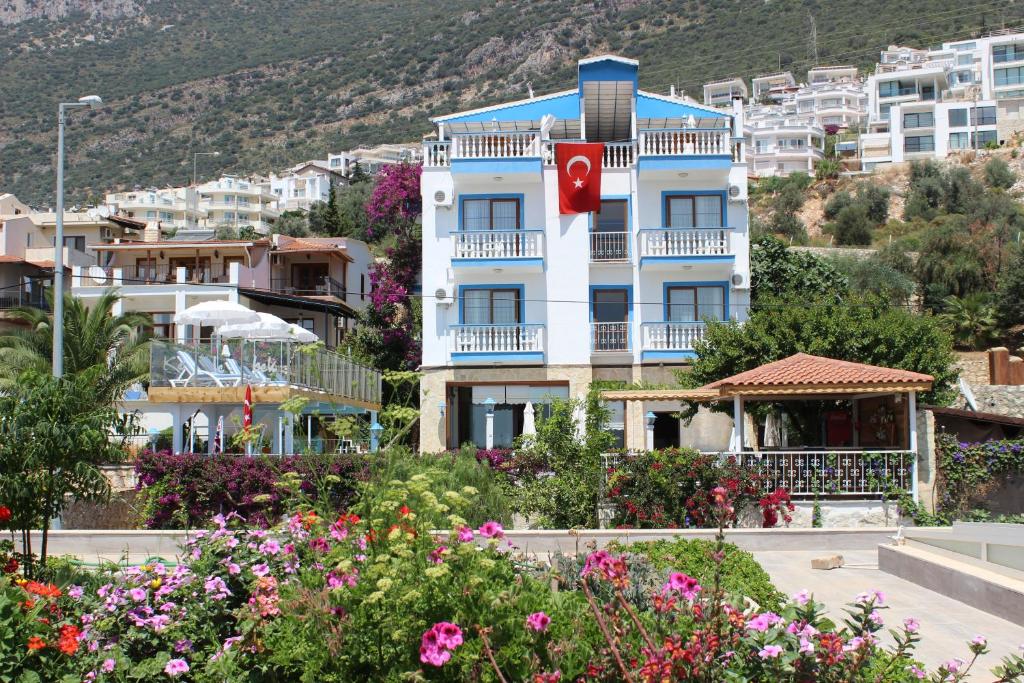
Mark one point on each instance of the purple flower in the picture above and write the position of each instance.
(108, 665)
(770, 652)
(465, 534)
(762, 622)
(911, 625)
(137, 594)
(176, 667)
(802, 597)
(76, 592)
(260, 569)
(491, 530)
(538, 621)
(270, 547)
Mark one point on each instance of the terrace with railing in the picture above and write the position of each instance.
(320, 285)
(497, 244)
(23, 295)
(617, 155)
(230, 363)
(494, 341)
(670, 336)
(661, 243)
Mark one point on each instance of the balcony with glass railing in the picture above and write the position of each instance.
(496, 344)
(218, 370)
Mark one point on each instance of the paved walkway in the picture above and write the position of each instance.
(946, 624)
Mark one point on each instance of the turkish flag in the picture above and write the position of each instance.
(247, 409)
(579, 176)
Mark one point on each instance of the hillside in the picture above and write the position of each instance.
(270, 83)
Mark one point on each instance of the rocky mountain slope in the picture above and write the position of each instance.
(268, 83)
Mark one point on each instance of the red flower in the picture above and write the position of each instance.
(11, 567)
(5, 513)
(44, 590)
(36, 643)
(68, 640)
(404, 511)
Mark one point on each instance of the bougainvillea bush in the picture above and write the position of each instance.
(186, 490)
(673, 489)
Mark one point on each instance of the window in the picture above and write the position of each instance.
(28, 240)
(957, 117)
(491, 214)
(964, 60)
(229, 215)
(243, 216)
(491, 306)
(614, 216)
(883, 111)
(927, 92)
(151, 214)
(920, 143)
(693, 211)
(986, 116)
(896, 89)
(959, 140)
(985, 137)
(924, 119)
(687, 304)
(77, 243)
(163, 326)
(1011, 76)
(1007, 53)
(610, 313)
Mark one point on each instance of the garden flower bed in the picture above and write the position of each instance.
(371, 594)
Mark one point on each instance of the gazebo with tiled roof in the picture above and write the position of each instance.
(879, 421)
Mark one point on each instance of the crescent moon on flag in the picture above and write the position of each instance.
(578, 158)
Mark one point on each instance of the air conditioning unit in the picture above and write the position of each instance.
(443, 198)
(740, 281)
(737, 193)
(444, 297)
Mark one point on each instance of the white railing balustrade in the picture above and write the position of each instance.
(686, 142)
(671, 336)
(684, 242)
(833, 473)
(437, 154)
(498, 244)
(618, 155)
(495, 145)
(524, 338)
(610, 336)
(609, 246)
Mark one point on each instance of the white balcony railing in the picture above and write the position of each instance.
(833, 473)
(498, 244)
(616, 154)
(671, 336)
(684, 242)
(689, 142)
(609, 246)
(610, 336)
(522, 338)
(437, 154)
(495, 146)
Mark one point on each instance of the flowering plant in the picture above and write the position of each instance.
(969, 471)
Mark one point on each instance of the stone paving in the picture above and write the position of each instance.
(946, 624)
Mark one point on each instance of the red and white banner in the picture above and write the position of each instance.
(247, 409)
(579, 176)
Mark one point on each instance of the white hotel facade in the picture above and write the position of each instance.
(522, 304)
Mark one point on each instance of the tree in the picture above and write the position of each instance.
(1010, 295)
(827, 169)
(876, 201)
(949, 263)
(353, 219)
(863, 329)
(778, 271)
(999, 175)
(320, 218)
(852, 226)
(962, 191)
(971, 320)
(876, 275)
(292, 223)
(357, 176)
(93, 337)
(836, 203)
(54, 435)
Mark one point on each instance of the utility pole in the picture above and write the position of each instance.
(814, 37)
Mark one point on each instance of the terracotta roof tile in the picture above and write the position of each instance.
(804, 369)
(311, 244)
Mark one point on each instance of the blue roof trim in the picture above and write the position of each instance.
(673, 163)
(608, 69)
(562, 106)
(521, 165)
(498, 357)
(648, 107)
(655, 355)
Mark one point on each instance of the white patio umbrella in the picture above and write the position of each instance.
(529, 425)
(301, 334)
(216, 313)
(266, 326)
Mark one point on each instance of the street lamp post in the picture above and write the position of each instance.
(92, 101)
(195, 159)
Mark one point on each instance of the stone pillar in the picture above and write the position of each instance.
(649, 419)
(926, 459)
(177, 431)
(289, 434)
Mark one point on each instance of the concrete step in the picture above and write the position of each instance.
(983, 586)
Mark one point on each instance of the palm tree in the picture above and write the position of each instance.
(93, 336)
(971, 320)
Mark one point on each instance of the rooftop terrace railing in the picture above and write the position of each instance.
(235, 362)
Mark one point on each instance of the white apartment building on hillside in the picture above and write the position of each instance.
(772, 87)
(304, 184)
(778, 144)
(237, 202)
(173, 207)
(373, 159)
(522, 304)
(721, 93)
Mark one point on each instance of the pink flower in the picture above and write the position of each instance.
(437, 554)
(855, 644)
(538, 621)
(802, 597)
(979, 640)
(770, 652)
(319, 544)
(687, 586)
(176, 667)
(438, 641)
(449, 635)
(465, 534)
(806, 646)
(874, 595)
(911, 625)
(108, 665)
(76, 592)
(270, 547)
(953, 665)
(916, 671)
(762, 622)
(137, 594)
(260, 569)
(491, 530)
(875, 617)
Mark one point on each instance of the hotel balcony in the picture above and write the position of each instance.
(660, 340)
(149, 275)
(517, 250)
(496, 344)
(609, 247)
(320, 285)
(510, 152)
(666, 248)
(218, 371)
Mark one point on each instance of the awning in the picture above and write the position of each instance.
(305, 303)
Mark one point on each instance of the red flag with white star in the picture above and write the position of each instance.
(579, 176)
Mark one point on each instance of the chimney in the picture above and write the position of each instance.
(152, 232)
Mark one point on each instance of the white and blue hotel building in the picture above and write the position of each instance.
(522, 304)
